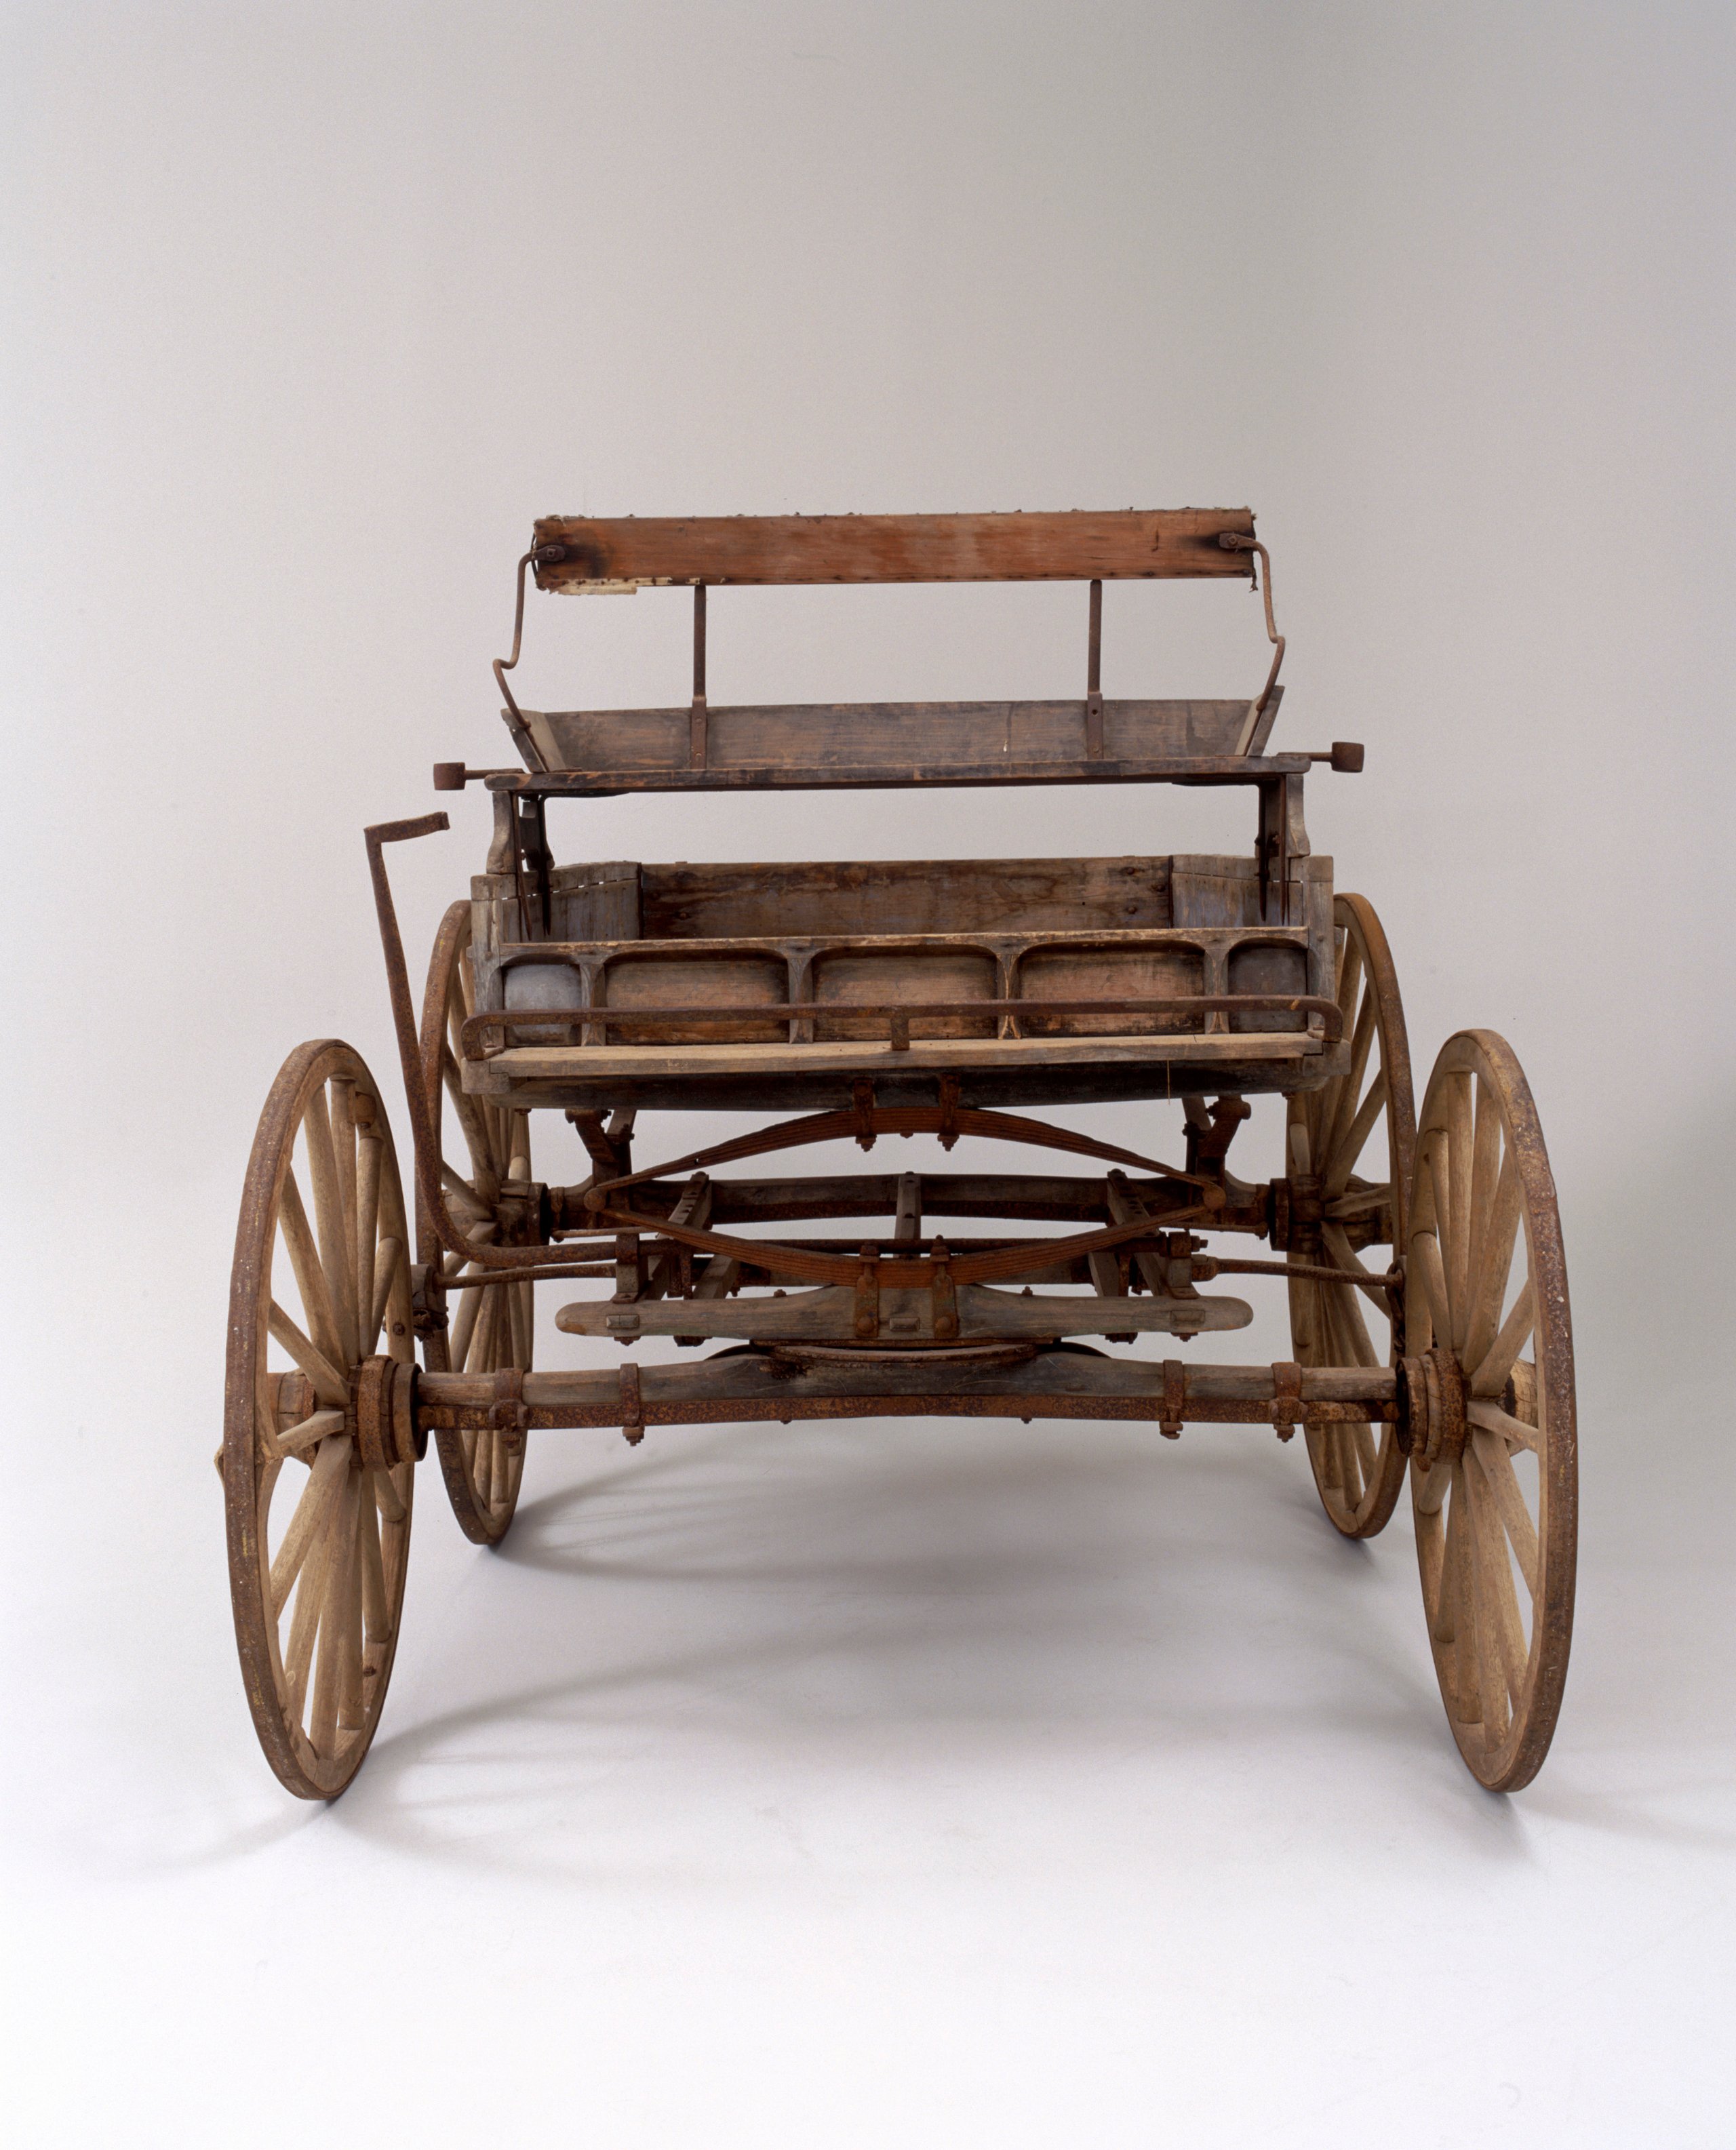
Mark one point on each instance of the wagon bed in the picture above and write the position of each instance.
(952, 998)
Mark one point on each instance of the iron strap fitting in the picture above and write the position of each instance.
(941, 1290)
(508, 1413)
(1175, 1399)
(1287, 1409)
(867, 1313)
(427, 1299)
(632, 1408)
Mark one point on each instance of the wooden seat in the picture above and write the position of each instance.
(825, 745)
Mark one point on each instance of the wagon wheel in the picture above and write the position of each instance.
(1358, 1469)
(491, 1327)
(317, 1540)
(1496, 1508)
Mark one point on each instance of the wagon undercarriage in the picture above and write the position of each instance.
(860, 1004)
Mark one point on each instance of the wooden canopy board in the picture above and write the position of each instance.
(1150, 544)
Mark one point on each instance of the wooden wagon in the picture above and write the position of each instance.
(1422, 1261)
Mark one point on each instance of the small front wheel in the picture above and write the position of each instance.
(1364, 1117)
(492, 1325)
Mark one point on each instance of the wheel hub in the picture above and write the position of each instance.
(1432, 1424)
(382, 1414)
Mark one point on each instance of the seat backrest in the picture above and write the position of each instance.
(582, 552)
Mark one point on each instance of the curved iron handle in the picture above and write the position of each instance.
(1232, 541)
(410, 1055)
(539, 555)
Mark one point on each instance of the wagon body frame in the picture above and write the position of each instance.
(878, 999)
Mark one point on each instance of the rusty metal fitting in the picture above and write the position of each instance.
(427, 1299)
(1302, 1208)
(412, 1434)
(867, 1311)
(382, 1414)
(523, 1213)
(508, 1412)
(948, 1129)
(941, 1292)
(1175, 1399)
(1432, 1426)
(1288, 1410)
(632, 1410)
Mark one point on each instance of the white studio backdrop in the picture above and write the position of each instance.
(310, 310)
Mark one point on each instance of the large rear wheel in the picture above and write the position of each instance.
(320, 1315)
(1496, 1489)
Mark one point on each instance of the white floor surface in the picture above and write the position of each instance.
(869, 1783)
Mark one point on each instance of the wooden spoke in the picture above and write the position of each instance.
(330, 1386)
(309, 1432)
(466, 1206)
(482, 1139)
(1491, 1373)
(1432, 1488)
(1496, 1524)
(1456, 1196)
(1342, 1255)
(1348, 1148)
(1485, 1166)
(1349, 1090)
(310, 1276)
(1516, 1433)
(1428, 1271)
(1495, 1465)
(390, 1258)
(318, 1542)
(1492, 1261)
(490, 1328)
(1358, 1470)
(312, 1513)
(370, 1152)
(1501, 1672)
(335, 1232)
(392, 1502)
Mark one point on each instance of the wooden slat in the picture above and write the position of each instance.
(703, 900)
(918, 740)
(530, 1063)
(828, 1315)
(1072, 546)
(588, 783)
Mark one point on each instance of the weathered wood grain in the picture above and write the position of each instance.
(1076, 546)
(827, 1315)
(932, 1056)
(900, 895)
(866, 739)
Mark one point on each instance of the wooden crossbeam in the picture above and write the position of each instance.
(1076, 546)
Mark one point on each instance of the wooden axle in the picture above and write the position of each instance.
(994, 1382)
